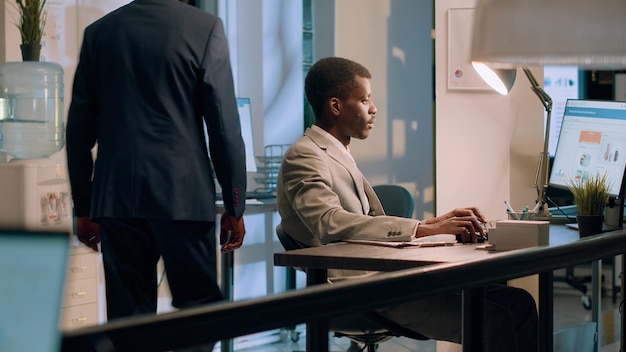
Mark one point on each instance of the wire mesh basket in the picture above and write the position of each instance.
(268, 165)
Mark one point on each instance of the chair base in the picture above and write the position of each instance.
(370, 341)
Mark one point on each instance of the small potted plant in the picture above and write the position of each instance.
(30, 22)
(591, 195)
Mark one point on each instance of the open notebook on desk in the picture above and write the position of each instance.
(427, 241)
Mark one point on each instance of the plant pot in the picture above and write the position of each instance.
(30, 52)
(589, 224)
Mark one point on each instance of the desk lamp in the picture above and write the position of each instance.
(513, 33)
(501, 80)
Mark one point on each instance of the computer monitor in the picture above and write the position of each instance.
(592, 141)
(245, 118)
(33, 265)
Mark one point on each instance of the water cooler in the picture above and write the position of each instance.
(35, 195)
(34, 188)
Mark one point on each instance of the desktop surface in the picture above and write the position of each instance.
(565, 248)
(257, 194)
(344, 255)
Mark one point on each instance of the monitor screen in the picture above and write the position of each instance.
(33, 265)
(245, 118)
(592, 141)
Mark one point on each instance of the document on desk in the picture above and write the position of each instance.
(427, 241)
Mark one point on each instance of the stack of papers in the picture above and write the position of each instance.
(427, 241)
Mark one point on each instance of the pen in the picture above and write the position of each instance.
(537, 206)
(511, 210)
(525, 213)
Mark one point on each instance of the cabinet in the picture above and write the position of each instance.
(80, 306)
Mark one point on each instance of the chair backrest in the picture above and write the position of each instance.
(396, 200)
(287, 241)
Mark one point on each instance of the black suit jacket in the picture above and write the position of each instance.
(149, 73)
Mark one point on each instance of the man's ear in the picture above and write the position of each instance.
(335, 106)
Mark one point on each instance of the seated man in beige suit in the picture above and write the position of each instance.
(323, 197)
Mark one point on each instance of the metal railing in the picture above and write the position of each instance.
(196, 326)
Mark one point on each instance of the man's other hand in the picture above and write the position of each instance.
(88, 232)
(232, 232)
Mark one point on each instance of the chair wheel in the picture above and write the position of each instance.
(586, 300)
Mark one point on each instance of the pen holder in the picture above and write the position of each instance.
(522, 215)
(513, 234)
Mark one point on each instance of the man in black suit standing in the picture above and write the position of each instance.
(149, 74)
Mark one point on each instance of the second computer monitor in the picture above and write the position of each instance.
(592, 141)
(245, 118)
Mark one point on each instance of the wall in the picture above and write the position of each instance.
(393, 39)
(486, 144)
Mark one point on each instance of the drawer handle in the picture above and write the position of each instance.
(79, 320)
(79, 268)
(79, 294)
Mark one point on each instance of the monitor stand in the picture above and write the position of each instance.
(614, 213)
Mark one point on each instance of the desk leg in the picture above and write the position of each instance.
(269, 251)
(316, 331)
(623, 291)
(546, 311)
(227, 262)
(596, 299)
(473, 315)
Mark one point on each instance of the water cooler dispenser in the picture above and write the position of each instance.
(34, 189)
(35, 195)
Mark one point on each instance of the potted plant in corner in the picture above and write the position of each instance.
(30, 22)
(591, 195)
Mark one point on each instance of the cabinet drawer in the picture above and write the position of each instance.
(80, 292)
(79, 316)
(81, 266)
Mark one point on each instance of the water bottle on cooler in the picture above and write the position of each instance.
(31, 109)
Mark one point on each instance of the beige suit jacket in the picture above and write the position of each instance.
(322, 197)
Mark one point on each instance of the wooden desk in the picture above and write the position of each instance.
(368, 257)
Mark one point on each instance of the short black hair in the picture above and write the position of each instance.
(331, 77)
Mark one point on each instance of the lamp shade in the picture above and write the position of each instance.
(500, 80)
(585, 33)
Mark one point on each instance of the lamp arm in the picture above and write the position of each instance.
(543, 173)
(543, 96)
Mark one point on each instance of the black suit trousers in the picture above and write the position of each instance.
(131, 249)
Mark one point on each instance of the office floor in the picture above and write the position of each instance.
(570, 318)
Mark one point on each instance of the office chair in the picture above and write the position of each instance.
(368, 328)
(396, 200)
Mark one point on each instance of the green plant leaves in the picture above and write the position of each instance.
(591, 194)
(31, 20)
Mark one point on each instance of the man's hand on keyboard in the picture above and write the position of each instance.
(232, 232)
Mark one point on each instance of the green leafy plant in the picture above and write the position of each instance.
(31, 20)
(591, 194)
